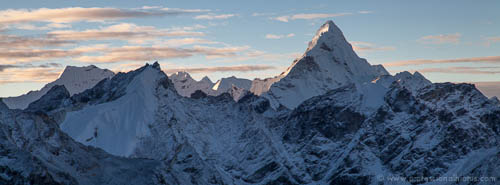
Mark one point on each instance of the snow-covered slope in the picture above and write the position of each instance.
(329, 62)
(116, 126)
(186, 85)
(75, 79)
(35, 151)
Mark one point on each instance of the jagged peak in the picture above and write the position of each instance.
(380, 69)
(403, 73)
(327, 34)
(156, 65)
(206, 79)
(418, 74)
(415, 75)
(181, 75)
(51, 100)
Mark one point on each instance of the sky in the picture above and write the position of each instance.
(447, 41)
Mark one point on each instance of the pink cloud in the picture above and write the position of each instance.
(488, 59)
(440, 39)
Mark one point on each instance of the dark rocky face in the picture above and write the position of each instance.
(54, 98)
(405, 136)
(198, 94)
(304, 65)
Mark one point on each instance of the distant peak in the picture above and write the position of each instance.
(404, 73)
(418, 74)
(379, 68)
(181, 75)
(156, 65)
(206, 79)
(69, 67)
(72, 70)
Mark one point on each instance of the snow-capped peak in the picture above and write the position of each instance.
(186, 85)
(117, 125)
(412, 82)
(329, 62)
(328, 34)
(75, 80)
(78, 79)
(181, 74)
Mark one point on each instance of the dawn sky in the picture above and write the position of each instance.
(456, 41)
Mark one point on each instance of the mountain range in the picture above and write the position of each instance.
(330, 118)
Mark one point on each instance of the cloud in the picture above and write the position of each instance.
(262, 14)
(122, 31)
(272, 36)
(282, 18)
(186, 41)
(263, 56)
(15, 42)
(46, 65)
(214, 16)
(140, 53)
(305, 16)
(239, 68)
(13, 56)
(491, 40)
(3, 67)
(127, 67)
(462, 70)
(364, 12)
(368, 47)
(31, 27)
(440, 39)
(213, 52)
(488, 59)
(75, 14)
(34, 74)
(58, 25)
(182, 11)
